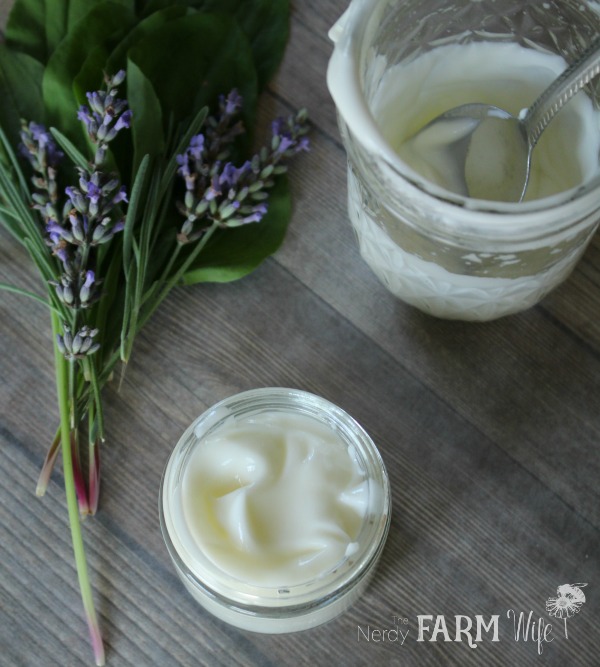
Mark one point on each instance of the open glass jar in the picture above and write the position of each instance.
(247, 489)
(446, 254)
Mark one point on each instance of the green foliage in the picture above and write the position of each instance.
(56, 51)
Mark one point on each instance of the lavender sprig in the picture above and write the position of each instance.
(90, 215)
(79, 224)
(219, 192)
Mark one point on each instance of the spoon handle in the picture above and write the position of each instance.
(552, 100)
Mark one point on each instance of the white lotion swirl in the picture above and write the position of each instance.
(275, 501)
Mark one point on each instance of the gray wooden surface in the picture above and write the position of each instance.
(490, 433)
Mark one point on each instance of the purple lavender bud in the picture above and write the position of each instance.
(86, 345)
(213, 190)
(124, 121)
(77, 229)
(77, 199)
(119, 226)
(88, 120)
(60, 344)
(99, 234)
(85, 290)
(118, 78)
(68, 296)
(76, 344)
(58, 289)
(120, 196)
(102, 132)
(96, 100)
(187, 227)
(303, 145)
(233, 103)
(196, 147)
(277, 126)
(284, 144)
(67, 338)
(62, 254)
(259, 212)
(100, 155)
(56, 231)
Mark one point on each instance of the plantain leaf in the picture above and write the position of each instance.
(20, 91)
(233, 253)
(219, 56)
(37, 27)
(264, 22)
(147, 130)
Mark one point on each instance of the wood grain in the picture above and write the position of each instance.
(489, 432)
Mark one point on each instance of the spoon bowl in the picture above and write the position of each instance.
(484, 152)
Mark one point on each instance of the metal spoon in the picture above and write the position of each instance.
(484, 152)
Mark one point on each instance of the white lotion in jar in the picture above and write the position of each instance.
(275, 506)
(505, 75)
(487, 280)
(274, 500)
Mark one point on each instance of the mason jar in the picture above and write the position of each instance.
(254, 585)
(449, 255)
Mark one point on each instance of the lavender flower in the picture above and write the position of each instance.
(78, 289)
(217, 190)
(105, 116)
(39, 147)
(90, 214)
(77, 346)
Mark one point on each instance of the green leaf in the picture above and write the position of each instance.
(31, 295)
(37, 27)
(147, 127)
(26, 28)
(70, 149)
(20, 91)
(103, 26)
(264, 22)
(219, 59)
(233, 253)
(134, 200)
(144, 29)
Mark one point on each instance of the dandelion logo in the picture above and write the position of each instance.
(567, 603)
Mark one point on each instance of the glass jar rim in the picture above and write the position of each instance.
(219, 585)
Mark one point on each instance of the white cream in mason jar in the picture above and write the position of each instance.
(502, 74)
(274, 501)
(275, 506)
(480, 284)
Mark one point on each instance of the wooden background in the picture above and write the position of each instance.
(489, 432)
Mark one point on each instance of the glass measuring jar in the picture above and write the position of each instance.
(448, 255)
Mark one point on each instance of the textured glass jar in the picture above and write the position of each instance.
(276, 609)
(447, 255)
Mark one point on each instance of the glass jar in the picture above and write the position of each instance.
(446, 254)
(276, 608)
